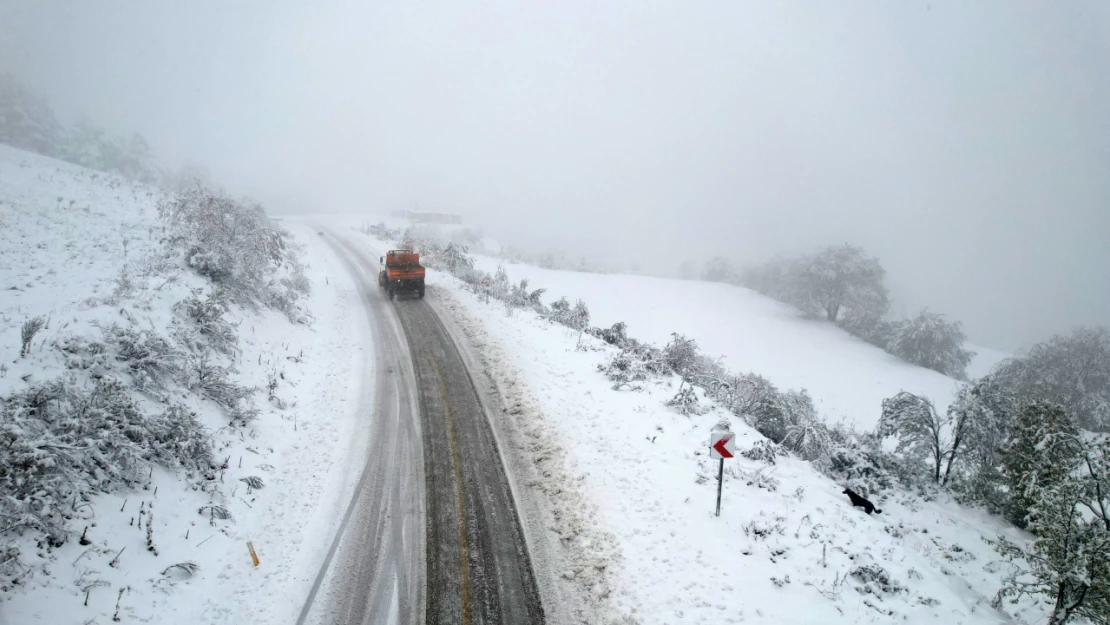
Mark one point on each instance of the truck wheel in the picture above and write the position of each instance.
(421, 292)
(390, 290)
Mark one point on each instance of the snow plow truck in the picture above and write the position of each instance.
(401, 273)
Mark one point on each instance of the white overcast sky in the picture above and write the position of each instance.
(967, 144)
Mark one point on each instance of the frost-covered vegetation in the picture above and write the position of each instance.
(63, 442)
(1005, 442)
(28, 122)
(112, 390)
(236, 246)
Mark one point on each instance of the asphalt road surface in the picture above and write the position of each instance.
(434, 487)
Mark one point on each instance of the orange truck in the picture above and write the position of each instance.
(401, 273)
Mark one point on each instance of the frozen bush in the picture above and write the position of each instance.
(27, 334)
(875, 580)
(686, 400)
(857, 461)
(234, 244)
(454, 258)
(61, 443)
(764, 451)
(206, 316)
(576, 317)
(808, 437)
(747, 392)
(680, 353)
(213, 382)
(151, 359)
(615, 335)
(521, 297)
(869, 326)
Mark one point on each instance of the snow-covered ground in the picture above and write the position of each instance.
(637, 490)
(65, 235)
(847, 377)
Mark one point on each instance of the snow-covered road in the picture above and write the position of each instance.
(373, 570)
(431, 442)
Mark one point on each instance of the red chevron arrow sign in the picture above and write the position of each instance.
(722, 445)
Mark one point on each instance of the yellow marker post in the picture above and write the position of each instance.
(254, 556)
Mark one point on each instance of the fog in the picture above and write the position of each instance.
(965, 144)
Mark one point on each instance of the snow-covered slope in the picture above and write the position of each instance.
(847, 377)
(82, 249)
(634, 489)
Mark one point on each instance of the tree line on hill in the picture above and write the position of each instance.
(28, 122)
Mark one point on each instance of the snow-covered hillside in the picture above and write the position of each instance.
(82, 249)
(847, 377)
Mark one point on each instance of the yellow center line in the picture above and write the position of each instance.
(458, 489)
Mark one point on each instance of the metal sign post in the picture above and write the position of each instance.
(722, 444)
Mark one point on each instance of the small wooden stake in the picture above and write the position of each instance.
(254, 556)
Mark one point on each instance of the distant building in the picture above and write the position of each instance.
(424, 217)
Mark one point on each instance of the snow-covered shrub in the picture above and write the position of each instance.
(748, 391)
(869, 326)
(808, 437)
(764, 451)
(124, 287)
(615, 335)
(211, 381)
(622, 369)
(875, 580)
(27, 333)
(775, 415)
(680, 353)
(521, 297)
(453, 258)
(760, 478)
(576, 317)
(61, 442)
(207, 317)
(858, 462)
(235, 245)
(931, 342)
(151, 359)
(686, 401)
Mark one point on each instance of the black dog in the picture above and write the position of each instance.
(860, 501)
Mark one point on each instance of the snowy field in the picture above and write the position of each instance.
(81, 248)
(847, 377)
(634, 490)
